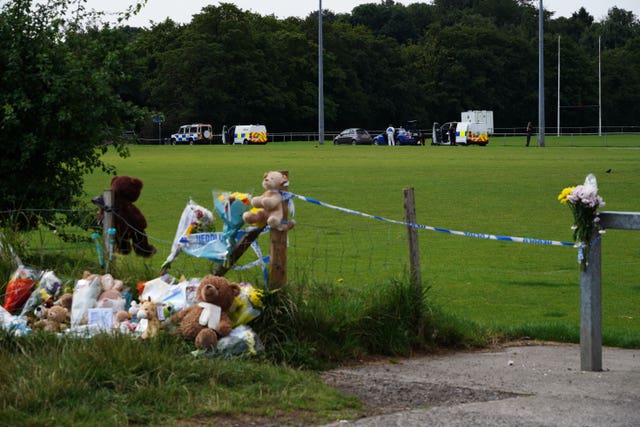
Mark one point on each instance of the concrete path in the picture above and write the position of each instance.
(536, 385)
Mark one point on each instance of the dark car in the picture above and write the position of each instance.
(353, 136)
(402, 137)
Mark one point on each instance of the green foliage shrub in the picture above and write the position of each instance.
(59, 106)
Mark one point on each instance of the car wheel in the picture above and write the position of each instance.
(335, 142)
(173, 141)
(353, 142)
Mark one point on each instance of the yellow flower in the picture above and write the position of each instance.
(562, 197)
(238, 305)
(256, 297)
(240, 196)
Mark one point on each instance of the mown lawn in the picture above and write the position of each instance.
(503, 189)
(347, 277)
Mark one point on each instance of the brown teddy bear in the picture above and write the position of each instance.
(128, 220)
(269, 204)
(54, 319)
(148, 315)
(65, 300)
(208, 319)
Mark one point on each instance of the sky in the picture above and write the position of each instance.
(182, 11)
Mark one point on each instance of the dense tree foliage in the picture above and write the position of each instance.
(59, 104)
(383, 62)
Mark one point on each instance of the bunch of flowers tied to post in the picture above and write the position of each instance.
(584, 202)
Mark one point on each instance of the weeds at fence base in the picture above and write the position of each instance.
(319, 325)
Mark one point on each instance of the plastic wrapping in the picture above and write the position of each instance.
(173, 297)
(194, 219)
(242, 341)
(246, 305)
(230, 207)
(19, 288)
(48, 287)
(85, 296)
(14, 324)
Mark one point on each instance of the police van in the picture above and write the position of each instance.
(474, 127)
(249, 134)
(197, 133)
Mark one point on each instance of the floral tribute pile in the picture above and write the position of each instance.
(584, 202)
(99, 303)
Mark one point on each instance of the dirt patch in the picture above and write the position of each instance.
(381, 396)
(376, 395)
(279, 419)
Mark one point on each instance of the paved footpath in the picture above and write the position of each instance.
(542, 385)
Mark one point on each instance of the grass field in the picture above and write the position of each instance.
(347, 275)
(503, 189)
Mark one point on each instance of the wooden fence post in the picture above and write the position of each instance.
(591, 291)
(412, 232)
(278, 249)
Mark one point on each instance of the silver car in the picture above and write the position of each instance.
(353, 136)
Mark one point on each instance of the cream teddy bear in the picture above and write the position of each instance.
(269, 205)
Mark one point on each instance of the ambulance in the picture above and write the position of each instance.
(474, 127)
(250, 134)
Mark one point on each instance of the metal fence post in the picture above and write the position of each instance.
(591, 290)
(591, 309)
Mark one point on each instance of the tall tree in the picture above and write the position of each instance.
(621, 84)
(489, 71)
(404, 24)
(58, 105)
(619, 27)
(383, 62)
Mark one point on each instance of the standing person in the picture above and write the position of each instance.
(529, 132)
(390, 135)
(452, 133)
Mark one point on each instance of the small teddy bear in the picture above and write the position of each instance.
(65, 300)
(208, 320)
(269, 204)
(54, 319)
(148, 319)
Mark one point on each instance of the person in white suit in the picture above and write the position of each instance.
(390, 135)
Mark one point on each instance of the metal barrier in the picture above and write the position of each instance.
(591, 291)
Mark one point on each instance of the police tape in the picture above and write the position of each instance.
(438, 229)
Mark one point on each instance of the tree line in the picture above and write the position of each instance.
(71, 84)
(383, 63)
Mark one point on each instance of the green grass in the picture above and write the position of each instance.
(348, 294)
(117, 381)
(552, 140)
(499, 189)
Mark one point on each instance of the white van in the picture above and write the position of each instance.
(474, 127)
(250, 134)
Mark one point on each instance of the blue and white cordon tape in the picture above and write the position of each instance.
(441, 230)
